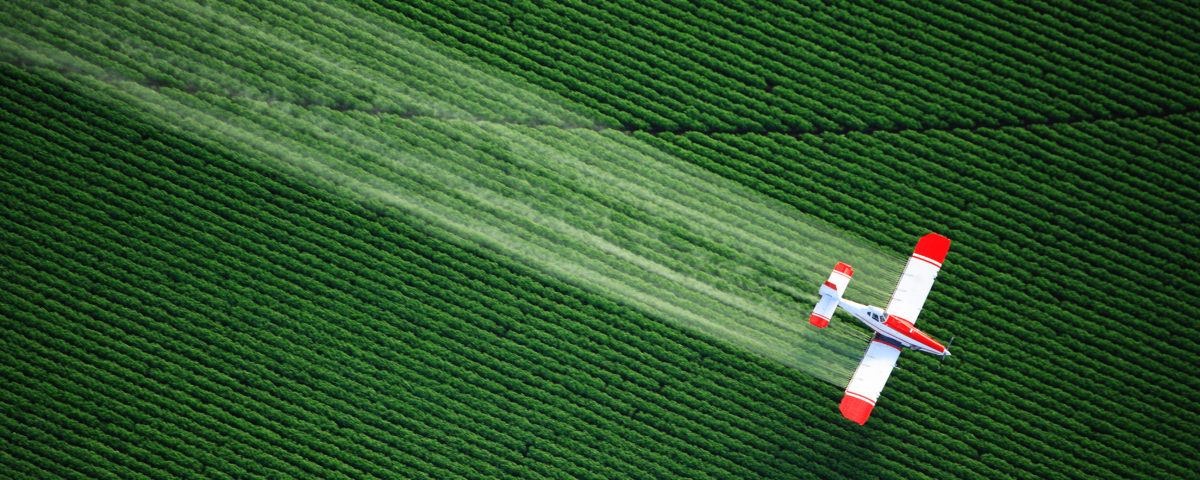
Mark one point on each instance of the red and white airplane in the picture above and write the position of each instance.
(893, 327)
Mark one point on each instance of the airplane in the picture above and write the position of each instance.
(894, 330)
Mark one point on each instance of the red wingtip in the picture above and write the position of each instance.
(856, 409)
(818, 320)
(841, 267)
(933, 247)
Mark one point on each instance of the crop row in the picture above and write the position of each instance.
(166, 46)
(1160, 391)
(314, 337)
(188, 297)
(317, 251)
(102, 58)
(718, 68)
(1049, 269)
(933, 190)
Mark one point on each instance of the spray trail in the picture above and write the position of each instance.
(597, 209)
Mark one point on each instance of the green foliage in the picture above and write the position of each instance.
(171, 308)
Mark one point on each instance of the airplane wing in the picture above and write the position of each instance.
(918, 276)
(868, 380)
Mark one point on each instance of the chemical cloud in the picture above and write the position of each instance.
(596, 208)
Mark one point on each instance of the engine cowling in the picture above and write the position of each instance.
(831, 292)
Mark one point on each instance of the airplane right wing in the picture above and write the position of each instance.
(869, 378)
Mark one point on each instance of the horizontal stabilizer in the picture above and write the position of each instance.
(820, 319)
(831, 292)
(840, 277)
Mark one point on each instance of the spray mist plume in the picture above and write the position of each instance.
(503, 167)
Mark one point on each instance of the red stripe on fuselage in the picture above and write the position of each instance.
(906, 328)
(927, 340)
(905, 333)
(831, 285)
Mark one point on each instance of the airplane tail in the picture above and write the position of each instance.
(831, 292)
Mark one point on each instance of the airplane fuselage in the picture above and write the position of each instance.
(893, 325)
(898, 329)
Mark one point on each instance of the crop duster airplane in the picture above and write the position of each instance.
(893, 327)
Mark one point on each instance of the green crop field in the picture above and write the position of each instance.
(390, 239)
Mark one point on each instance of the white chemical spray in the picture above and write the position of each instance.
(597, 209)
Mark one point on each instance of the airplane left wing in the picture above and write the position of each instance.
(918, 276)
(868, 380)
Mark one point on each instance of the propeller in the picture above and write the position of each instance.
(948, 344)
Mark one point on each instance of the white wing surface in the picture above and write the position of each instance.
(869, 378)
(918, 276)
